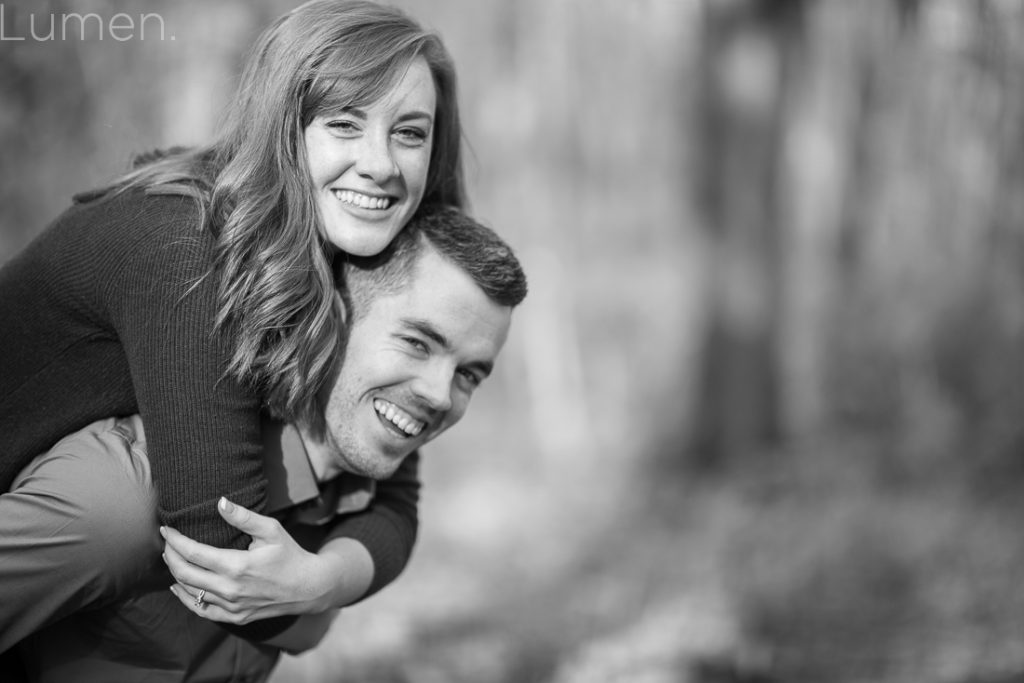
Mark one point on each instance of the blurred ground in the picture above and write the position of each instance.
(619, 600)
(818, 573)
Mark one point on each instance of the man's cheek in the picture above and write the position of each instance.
(450, 420)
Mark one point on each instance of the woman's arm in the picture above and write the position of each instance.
(277, 576)
(202, 427)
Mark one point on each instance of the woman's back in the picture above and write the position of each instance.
(112, 305)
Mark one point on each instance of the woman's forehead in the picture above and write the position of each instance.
(410, 86)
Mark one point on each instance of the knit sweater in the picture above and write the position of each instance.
(110, 312)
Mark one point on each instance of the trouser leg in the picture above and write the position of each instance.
(77, 528)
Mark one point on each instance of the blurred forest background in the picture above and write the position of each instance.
(760, 417)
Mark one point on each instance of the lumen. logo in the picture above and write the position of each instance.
(52, 26)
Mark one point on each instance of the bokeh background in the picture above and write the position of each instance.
(760, 417)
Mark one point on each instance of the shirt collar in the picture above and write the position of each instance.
(291, 481)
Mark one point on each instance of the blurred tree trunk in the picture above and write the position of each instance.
(749, 50)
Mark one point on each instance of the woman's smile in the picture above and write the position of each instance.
(364, 201)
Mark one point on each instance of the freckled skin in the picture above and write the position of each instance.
(381, 150)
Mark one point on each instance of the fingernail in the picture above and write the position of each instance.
(226, 505)
(163, 531)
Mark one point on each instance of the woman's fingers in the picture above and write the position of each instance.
(261, 528)
(241, 585)
(218, 560)
(200, 598)
(209, 608)
(194, 576)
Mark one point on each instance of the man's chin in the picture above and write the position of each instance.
(380, 467)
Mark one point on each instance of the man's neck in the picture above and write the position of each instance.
(321, 459)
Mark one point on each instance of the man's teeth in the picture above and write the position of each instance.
(399, 417)
(361, 200)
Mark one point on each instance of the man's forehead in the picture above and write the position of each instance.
(431, 283)
(440, 299)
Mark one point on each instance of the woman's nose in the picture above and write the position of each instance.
(375, 160)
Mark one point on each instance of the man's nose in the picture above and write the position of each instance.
(434, 387)
(375, 160)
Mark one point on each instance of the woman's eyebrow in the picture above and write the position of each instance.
(404, 116)
(415, 114)
(354, 111)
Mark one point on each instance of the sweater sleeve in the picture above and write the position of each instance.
(203, 428)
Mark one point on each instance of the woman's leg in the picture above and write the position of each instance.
(77, 529)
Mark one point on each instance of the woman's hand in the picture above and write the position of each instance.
(275, 576)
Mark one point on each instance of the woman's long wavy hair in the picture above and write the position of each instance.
(277, 298)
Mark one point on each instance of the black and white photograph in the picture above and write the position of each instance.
(511, 341)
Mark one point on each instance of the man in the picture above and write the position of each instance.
(429, 317)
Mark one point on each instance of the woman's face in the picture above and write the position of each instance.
(369, 164)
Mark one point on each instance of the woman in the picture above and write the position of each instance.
(198, 290)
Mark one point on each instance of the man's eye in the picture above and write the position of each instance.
(415, 343)
(470, 377)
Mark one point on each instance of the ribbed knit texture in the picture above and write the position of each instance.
(110, 312)
(98, 320)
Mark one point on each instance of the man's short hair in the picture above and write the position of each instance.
(474, 248)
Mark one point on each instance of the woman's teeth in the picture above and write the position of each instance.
(398, 417)
(361, 200)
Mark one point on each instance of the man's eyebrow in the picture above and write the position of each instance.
(427, 329)
(484, 366)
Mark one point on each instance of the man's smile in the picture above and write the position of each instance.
(392, 415)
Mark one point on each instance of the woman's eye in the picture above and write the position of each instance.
(413, 137)
(342, 126)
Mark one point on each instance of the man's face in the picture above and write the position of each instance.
(411, 364)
